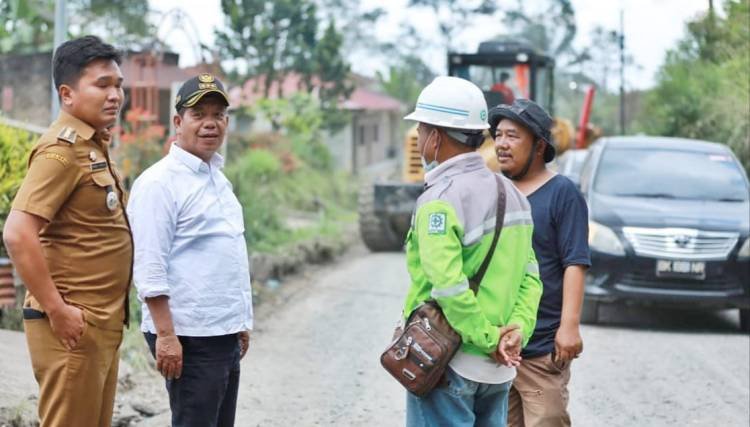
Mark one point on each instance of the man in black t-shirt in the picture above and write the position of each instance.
(523, 143)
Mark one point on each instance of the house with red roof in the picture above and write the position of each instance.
(371, 137)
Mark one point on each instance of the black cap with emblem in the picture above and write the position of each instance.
(196, 88)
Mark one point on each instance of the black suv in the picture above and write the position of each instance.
(669, 224)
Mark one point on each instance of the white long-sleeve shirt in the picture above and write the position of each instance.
(189, 245)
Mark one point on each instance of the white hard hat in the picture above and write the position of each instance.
(451, 102)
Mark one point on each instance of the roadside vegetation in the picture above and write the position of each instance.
(15, 145)
(286, 180)
(703, 88)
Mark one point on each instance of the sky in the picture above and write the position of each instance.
(651, 28)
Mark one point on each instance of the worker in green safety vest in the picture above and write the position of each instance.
(451, 233)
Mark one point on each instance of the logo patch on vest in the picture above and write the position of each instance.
(437, 223)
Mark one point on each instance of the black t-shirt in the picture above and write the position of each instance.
(560, 240)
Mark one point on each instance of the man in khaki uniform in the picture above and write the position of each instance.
(70, 241)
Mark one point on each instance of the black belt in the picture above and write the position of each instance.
(31, 314)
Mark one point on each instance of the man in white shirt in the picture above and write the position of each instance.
(190, 266)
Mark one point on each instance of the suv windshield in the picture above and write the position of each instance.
(672, 174)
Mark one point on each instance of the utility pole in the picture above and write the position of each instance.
(61, 30)
(622, 72)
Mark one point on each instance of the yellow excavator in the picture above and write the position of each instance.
(503, 70)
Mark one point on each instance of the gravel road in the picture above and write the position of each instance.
(313, 360)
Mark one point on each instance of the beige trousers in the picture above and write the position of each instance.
(76, 388)
(539, 395)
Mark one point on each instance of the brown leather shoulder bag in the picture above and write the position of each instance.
(421, 351)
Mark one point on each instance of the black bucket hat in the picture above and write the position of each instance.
(531, 116)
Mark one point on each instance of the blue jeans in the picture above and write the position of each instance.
(206, 393)
(460, 402)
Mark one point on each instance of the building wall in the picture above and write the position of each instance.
(340, 146)
(374, 138)
(25, 85)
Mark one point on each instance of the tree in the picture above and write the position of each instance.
(406, 79)
(601, 57)
(333, 71)
(357, 26)
(119, 21)
(270, 38)
(453, 16)
(551, 30)
(703, 88)
(28, 25)
(273, 39)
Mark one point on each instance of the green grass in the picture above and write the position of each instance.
(330, 226)
(268, 193)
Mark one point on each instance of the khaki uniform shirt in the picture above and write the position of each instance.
(87, 244)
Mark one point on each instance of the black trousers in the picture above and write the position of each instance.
(205, 395)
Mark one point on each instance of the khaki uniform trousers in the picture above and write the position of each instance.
(539, 395)
(76, 388)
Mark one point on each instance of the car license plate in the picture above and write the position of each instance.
(686, 269)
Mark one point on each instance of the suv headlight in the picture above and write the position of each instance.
(603, 239)
(745, 249)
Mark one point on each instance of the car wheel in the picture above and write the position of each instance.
(590, 312)
(745, 320)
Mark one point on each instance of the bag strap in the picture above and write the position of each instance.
(477, 278)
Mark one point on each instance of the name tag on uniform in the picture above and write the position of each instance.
(98, 166)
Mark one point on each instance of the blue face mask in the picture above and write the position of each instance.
(433, 164)
(429, 166)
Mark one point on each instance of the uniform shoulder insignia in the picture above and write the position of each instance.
(58, 157)
(67, 134)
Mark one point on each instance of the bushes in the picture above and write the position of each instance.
(254, 177)
(15, 146)
(302, 121)
(140, 145)
(272, 182)
(285, 179)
